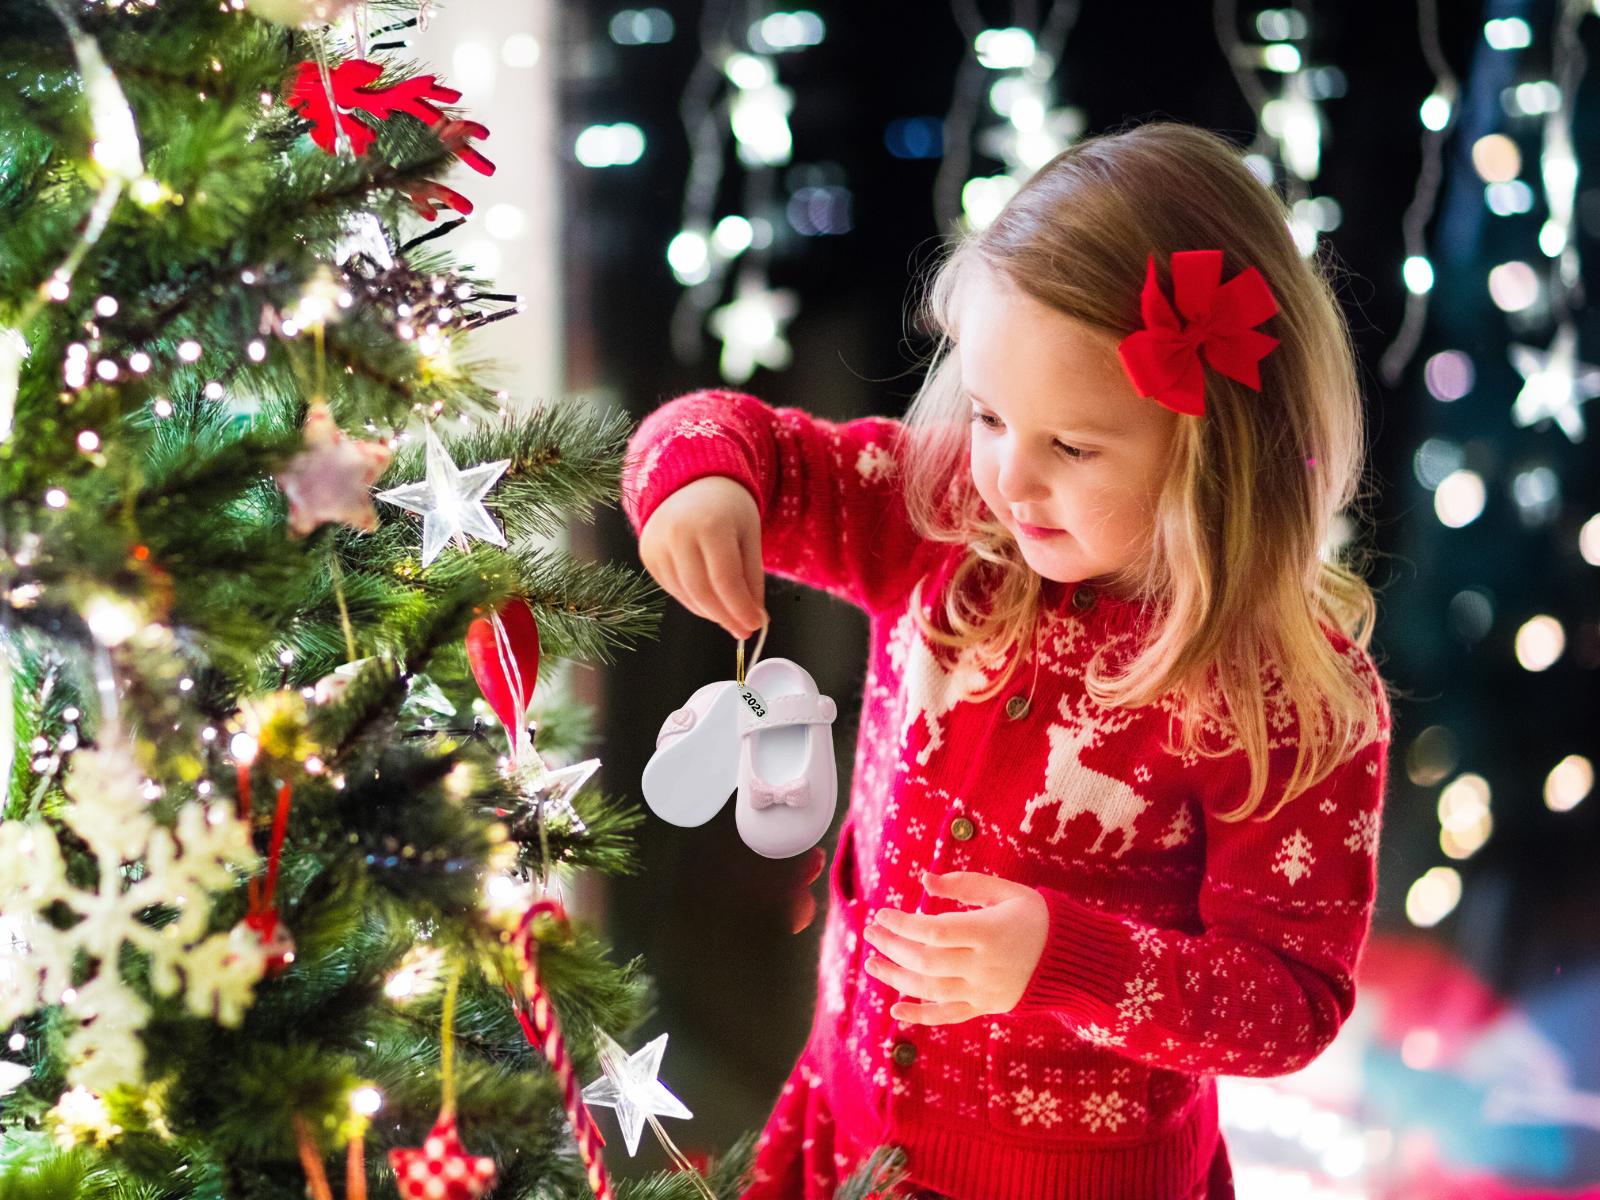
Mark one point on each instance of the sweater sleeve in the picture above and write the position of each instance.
(832, 512)
(1286, 907)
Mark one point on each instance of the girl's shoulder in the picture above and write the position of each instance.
(1362, 665)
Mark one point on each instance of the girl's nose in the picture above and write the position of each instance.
(1019, 480)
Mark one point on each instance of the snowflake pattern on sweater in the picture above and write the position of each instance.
(1180, 946)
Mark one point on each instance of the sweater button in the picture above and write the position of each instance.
(904, 1054)
(962, 829)
(1083, 598)
(1017, 707)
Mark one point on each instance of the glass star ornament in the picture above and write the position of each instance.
(630, 1086)
(751, 328)
(1555, 383)
(450, 500)
(361, 237)
(547, 796)
(331, 478)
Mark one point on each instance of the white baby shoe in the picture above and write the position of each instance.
(787, 777)
(695, 767)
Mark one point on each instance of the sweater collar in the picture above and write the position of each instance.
(1093, 603)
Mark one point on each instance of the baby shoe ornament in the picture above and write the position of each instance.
(777, 753)
(695, 767)
(788, 778)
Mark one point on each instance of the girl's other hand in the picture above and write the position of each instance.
(960, 965)
(703, 545)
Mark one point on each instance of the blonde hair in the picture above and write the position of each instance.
(1235, 571)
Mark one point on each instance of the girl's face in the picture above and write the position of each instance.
(1065, 453)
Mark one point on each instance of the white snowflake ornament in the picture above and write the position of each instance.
(110, 810)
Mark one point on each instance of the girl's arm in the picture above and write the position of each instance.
(832, 514)
(1286, 904)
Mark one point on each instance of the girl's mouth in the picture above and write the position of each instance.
(1039, 532)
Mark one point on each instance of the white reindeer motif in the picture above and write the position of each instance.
(930, 690)
(1078, 788)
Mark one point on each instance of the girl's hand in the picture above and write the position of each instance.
(960, 964)
(703, 545)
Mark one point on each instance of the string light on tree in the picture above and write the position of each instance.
(1438, 114)
(1555, 383)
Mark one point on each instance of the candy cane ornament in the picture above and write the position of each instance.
(540, 1025)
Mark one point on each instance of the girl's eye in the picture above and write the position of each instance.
(990, 421)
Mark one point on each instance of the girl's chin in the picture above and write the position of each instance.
(1050, 562)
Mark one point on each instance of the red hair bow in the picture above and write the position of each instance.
(1163, 358)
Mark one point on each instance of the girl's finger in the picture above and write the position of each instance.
(930, 960)
(931, 929)
(912, 983)
(725, 566)
(697, 579)
(913, 1013)
(969, 887)
(672, 578)
(754, 570)
(666, 574)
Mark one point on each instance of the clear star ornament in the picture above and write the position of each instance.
(630, 1086)
(548, 794)
(450, 500)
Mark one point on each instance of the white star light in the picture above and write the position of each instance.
(751, 330)
(1555, 383)
(450, 501)
(630, 1086)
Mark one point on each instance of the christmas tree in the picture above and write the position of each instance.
(280, 892)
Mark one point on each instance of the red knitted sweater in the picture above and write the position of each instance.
(1180, 946)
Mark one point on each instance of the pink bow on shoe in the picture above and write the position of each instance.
(765, 795)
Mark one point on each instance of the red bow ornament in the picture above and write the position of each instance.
(1164, 358)
(352, 87)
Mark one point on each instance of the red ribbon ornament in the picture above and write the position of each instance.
(1164, 358)
(353, 88)
(503, 652)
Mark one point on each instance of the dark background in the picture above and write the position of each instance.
(713, 920)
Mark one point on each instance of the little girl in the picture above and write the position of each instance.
(1114, 819)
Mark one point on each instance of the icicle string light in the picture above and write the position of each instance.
(1438, 115)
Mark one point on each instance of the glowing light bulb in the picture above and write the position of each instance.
(1569, 782)
(1540, 642)
(1433, 897)
(366, 1101)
